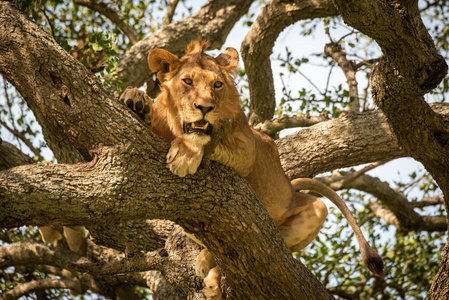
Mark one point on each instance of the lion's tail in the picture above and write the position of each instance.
(370, 257)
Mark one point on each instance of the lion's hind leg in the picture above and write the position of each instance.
(207, 268)
(304, 221)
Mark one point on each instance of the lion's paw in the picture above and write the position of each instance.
(183, 157)
(211, 285)
(139, 102)
(204, 263)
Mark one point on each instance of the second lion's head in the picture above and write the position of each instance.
(197, 89)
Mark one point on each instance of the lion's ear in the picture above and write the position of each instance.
(228, 59)
(160, 61)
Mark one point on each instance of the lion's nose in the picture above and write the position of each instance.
(204, 109)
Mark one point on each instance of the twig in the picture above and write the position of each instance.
(365, 62)
(345, 36)
(428, 202)
(49, 22)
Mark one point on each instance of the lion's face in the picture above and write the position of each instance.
(198, 90)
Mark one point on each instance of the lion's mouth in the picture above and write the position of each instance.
(201, 126)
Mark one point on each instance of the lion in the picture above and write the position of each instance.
(197, 91)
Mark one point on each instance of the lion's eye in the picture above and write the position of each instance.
(188, 81)
(218, 84)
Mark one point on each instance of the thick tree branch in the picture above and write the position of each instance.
(95, 207)
(344, 142)
(348, 141)
(258, 44)
(111, 14)
(213, 22)
(146, 235)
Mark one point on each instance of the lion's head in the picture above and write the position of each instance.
(197, 90)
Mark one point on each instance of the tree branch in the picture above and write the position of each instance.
(10, 156)
(395, 207)
(46, 283)
(348, 141)
(274, 126)
(274, 17)
(344, 142)
(348, 67)
(116, 235)
(437, 200)
(111, 14)
(171, 7)
(213, 22)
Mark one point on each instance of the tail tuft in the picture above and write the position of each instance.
(373, 261)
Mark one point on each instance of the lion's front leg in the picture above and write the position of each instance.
(139, 102)
(184, 157)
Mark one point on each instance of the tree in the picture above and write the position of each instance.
(111, 179)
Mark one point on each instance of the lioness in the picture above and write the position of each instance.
(197, 91)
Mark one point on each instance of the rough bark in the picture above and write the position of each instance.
(146, 235)
(411, 67)
(350, 140)
(121, 151)
(258, 44)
